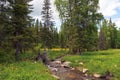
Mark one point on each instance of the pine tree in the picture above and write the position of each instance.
(113, 34)
(102, 42)
(37, 30)
(5, 27)
(118, 39)
(80, 20)
(47, 13)
(46, 36)
(19, 21)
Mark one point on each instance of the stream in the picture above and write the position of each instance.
(63, 71)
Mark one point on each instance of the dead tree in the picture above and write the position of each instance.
(42, 57)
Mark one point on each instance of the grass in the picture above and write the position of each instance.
(25, 70)
(55, 53)
(98, 62)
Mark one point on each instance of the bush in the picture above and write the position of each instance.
(6, 57)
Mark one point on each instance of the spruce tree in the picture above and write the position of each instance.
(46, 31)
(5, 27)
(102, 42)
(118, 39)
(37, 30)
(113, 34)
(19, 21)
(80, 19)
(47, 13)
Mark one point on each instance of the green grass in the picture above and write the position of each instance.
(53, 54)
(25, 70)
(98, 62)
(29, 55)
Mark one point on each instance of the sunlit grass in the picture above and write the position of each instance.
(25, 70)
(53, 54)
(96, 62)
(59, 49)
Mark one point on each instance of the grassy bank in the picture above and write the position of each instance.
(55, 53)
(25, 70)
(98, 62)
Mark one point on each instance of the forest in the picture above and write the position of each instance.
(86, 39)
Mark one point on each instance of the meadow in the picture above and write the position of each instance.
(25, 70)
(28, 69)
(98, 62)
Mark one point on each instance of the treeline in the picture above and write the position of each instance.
(84, 28)
(109, 35)
(20, 33)
(15, 29)
(44, 36)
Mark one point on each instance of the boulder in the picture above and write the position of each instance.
(54, 69)
(66, 64)
(57, 62)
(58, 78)
(72, 68)
(97, 75)
(85, 70)
(81, 63)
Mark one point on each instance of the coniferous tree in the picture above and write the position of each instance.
(107, 35)
(37, 30)
(46, 36)
(5, 27)
(118, 39)
(19, 21)
(47, 13)
(102, 42)
(113, 34)
(80, 19)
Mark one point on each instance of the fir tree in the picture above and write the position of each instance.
(5, 27)
(19, 21)
(102, 43)
(46, 13)
(80, 19)
(46, 36)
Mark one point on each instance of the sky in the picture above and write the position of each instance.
(109, 8)
(38, 4)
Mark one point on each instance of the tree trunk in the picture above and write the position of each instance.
(17, 48)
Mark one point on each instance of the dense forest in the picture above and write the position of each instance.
(83, 27)
(86, 47)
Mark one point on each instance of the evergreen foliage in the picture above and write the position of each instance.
(79, 30)
(108, 35)
(16, 29)
(80, 19)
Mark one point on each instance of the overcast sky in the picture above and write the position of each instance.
(109, 8)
